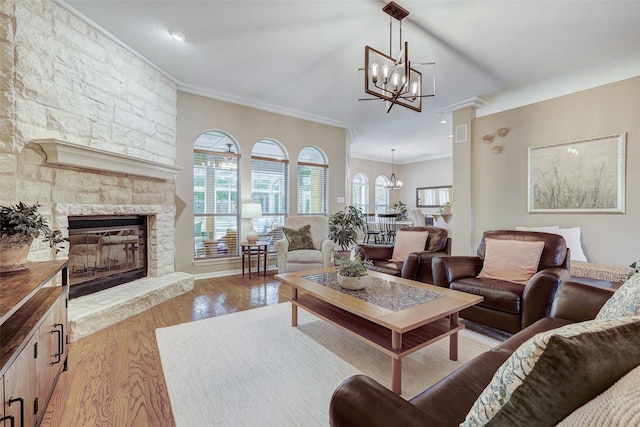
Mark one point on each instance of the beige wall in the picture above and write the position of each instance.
(499, 181)
(197, 114)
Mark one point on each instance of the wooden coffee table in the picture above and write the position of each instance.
(397, 316)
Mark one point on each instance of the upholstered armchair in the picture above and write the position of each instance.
(517, 273)
(416, 264)
(302, 249)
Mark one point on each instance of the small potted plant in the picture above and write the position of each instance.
(344, 226)
(351, 273)
(400, 208)
(19, 225)
(445, 208)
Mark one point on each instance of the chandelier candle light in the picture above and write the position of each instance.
(394, 80)
(393, 183)
(251, 211)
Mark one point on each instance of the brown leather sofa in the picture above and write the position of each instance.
(417, 266)
(507, 306)
(361, 401)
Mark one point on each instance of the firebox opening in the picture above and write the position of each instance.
(105, 251)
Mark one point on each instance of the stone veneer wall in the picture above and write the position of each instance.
(61, 78)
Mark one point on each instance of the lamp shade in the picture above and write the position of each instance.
(251, 210)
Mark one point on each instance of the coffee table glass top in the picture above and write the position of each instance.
(383, 293)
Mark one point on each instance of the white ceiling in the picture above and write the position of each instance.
(301, 57)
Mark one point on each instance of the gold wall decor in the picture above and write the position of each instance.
(503, 132)
(487, 139)
(498, 149)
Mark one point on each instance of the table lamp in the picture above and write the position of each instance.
(251, 211)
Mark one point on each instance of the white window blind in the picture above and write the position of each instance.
(381, 195)
(313, 181)
(360, 192)
(269, 187)
(215, 204)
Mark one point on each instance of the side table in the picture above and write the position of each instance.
(258, 249)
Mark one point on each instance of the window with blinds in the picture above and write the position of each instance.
(360, 192)
(313, 181)
(215, 196)
(269, 187)
(381, 194)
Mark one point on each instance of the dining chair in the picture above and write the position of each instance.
(387, 227)
(371, 229)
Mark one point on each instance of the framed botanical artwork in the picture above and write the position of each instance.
(585, 176)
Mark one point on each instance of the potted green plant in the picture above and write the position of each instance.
(344, 226)
(400, 208)
(445, 208)
(19, 225)
(351, 273)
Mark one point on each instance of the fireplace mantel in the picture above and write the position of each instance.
(65, 153)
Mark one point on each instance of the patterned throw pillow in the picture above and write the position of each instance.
(299, 238)
(624, 302)
(555, 372)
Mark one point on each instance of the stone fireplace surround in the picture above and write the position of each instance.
(96, 311)
(91, 313)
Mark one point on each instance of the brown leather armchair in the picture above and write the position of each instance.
(507, 306)
(417, 266)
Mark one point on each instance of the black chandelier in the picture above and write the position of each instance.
(396, 81)
(394, 183)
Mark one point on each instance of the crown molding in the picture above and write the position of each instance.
(470, 102)
(226, 97)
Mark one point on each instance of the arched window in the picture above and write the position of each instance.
(215, 195)
(313, 181)
(382, 194)
(360, 189)
(269, 187)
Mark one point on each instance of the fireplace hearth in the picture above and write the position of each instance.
(106, 251)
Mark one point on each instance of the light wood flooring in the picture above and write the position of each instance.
(115, 377)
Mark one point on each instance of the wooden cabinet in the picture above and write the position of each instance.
(20, 385)
(34, 340)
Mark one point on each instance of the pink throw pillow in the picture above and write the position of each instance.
(408, 242)
(511, 260)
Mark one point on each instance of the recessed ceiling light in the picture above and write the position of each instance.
(179, 36)
(450, 136)
(443, 121)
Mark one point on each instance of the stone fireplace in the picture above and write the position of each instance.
(106, 251)
(121, 189)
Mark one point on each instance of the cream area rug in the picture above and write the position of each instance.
(252, 368)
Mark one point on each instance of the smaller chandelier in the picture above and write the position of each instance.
(395, 80)
(393, 183)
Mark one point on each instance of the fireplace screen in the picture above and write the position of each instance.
(105, 252)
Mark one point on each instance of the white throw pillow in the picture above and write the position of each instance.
(617, 406)
(571, 237)
(549, 229)
(408, 242)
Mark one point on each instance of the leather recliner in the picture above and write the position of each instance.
(507, 306)
(417, 266)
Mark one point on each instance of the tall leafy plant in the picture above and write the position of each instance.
(344, 226)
